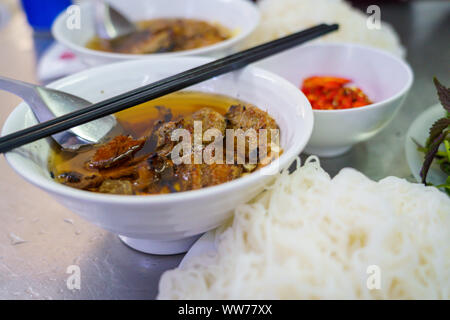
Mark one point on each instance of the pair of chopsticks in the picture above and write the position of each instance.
(160, 88)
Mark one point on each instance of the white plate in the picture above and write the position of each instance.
(204, 245)
(419, 131)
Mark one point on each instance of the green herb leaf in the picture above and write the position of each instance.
(419, 146)
(447, 150)
(443, 93)
(445, 166)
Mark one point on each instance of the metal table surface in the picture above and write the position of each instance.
(56, 238)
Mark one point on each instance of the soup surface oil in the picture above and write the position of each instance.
(139, 122)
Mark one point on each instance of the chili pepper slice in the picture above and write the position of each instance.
(332, 93)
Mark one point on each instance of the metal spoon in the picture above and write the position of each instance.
(110, 23)
(47, 104)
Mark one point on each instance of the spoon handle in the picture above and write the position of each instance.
(29, 93)
(47, 104)
(19, 88)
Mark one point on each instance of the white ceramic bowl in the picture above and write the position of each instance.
(166, 224)
(240, 16)
(385, 78)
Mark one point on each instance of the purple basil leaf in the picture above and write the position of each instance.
(429, 157)
(439, 126)
(443, 93)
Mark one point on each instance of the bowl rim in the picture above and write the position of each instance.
(284, 160)
(58, 22)
(402, 62)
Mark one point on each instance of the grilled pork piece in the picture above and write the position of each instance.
(197, 176)
(210, 119)
(144, 41)
(162, 136)
(249, 117)
(115, 152)
(80, 181)
(166, 35)
(161, 139)
(116, 187)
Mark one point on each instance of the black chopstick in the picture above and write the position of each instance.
(164, 81)
(160, 88)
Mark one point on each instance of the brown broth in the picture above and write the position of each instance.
(180, 34)
(138, 122)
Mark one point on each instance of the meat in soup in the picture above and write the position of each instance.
(164, 35)
(140, 161)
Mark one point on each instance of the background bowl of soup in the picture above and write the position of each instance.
(239, 17)
(167, 223)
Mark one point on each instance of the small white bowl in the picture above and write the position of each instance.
(170, 223)
(240, 16)
(385, 78)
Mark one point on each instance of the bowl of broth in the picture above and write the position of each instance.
(164, 28)
(134, 185)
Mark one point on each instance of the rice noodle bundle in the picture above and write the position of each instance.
(312, 237)
(282, 17)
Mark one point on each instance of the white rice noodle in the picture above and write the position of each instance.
(282, 17)
(312, 237)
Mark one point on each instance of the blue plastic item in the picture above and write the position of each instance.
(41, 13)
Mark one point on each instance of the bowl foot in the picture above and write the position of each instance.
(327, 152)
(160, 247)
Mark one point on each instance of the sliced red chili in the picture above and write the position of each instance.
(328, 93)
